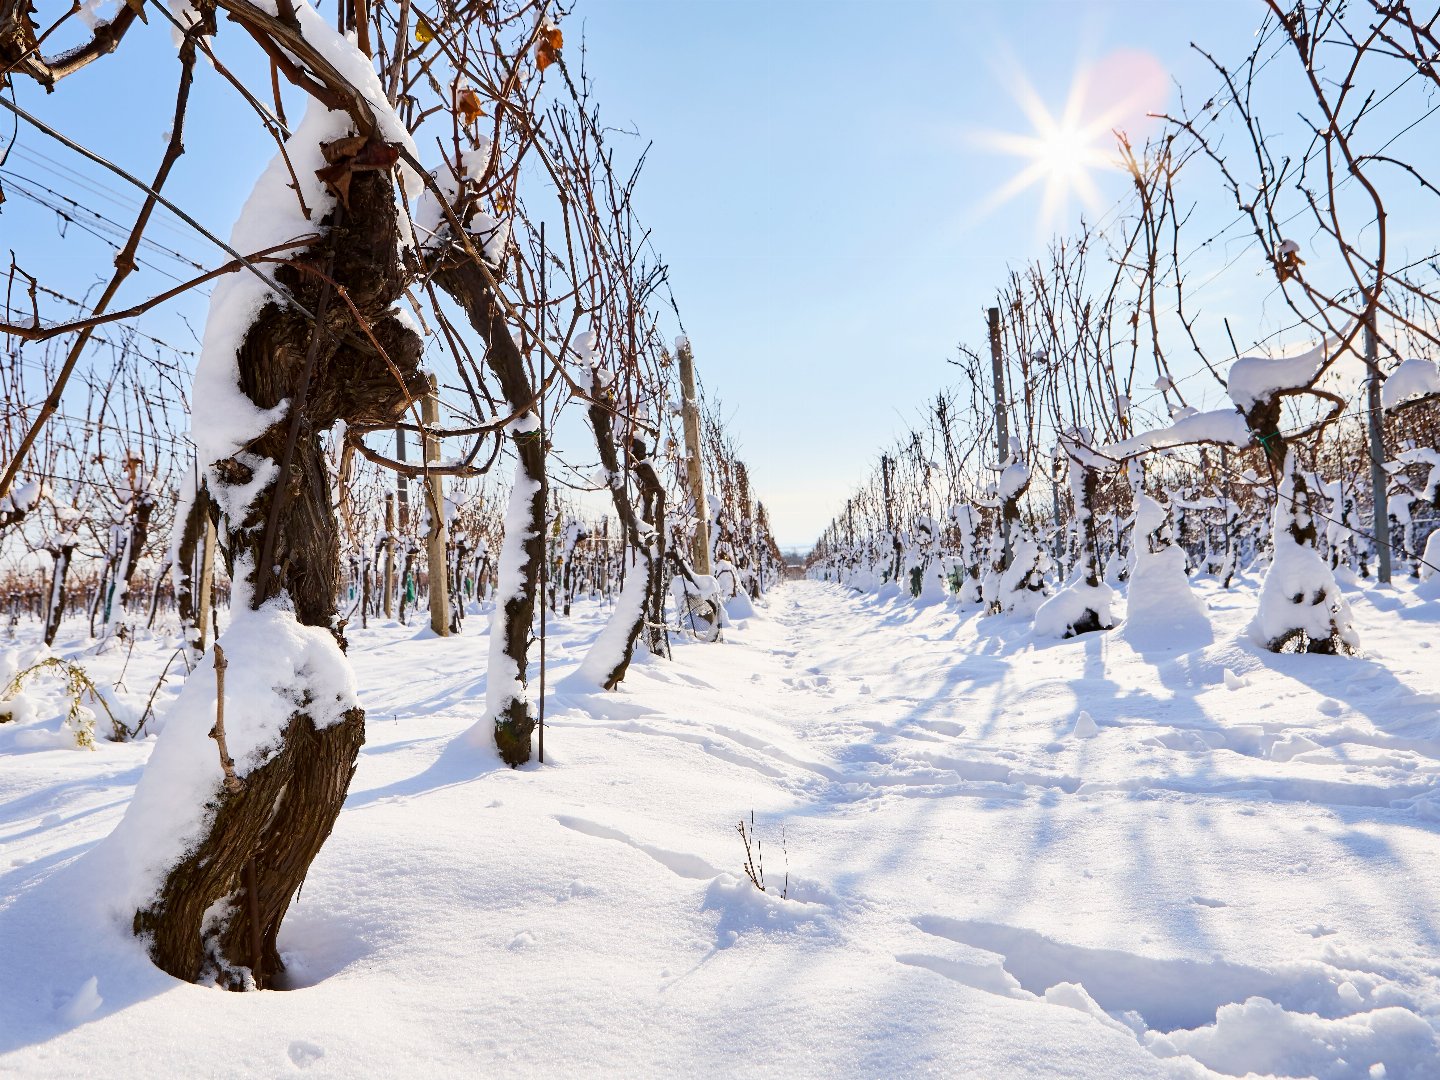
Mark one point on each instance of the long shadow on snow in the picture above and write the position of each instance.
(58, 935)
(1355, 805)
(1169, 982)
(1188, 674)
(46, 824)
(58, 795)
(993, 786)
(1363, 684)
(1185, 677)
(456, 765)
(1109, 704)
(460, 695)
(1045, 832)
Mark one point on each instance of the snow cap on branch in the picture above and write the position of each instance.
(1411, 381)
(1255, 378)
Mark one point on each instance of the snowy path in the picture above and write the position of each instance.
(976, 887)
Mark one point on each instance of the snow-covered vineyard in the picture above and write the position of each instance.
(986, 853)
(407, 666)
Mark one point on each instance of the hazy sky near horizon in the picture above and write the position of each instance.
(824, 179)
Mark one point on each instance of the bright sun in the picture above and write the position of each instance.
(1060, 153)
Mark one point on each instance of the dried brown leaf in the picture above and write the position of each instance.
(547, 51)
(468, 105)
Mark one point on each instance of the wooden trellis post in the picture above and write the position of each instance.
(1379, 478)
(206, 583)
(690, 411)
(390, 556)
(437, 539)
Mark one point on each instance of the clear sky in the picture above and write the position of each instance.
(819, 184)
(823, 182)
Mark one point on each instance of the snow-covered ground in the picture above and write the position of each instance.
(1006, 857)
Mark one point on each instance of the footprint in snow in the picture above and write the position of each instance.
(577, 890)
(303, 1054)
(84, 1002)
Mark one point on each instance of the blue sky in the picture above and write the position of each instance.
(818, 182)
(815, 184)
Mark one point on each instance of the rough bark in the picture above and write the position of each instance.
(55, 611)
(1084, 491)
(307, 780)
(218, 910)
(467, 285)
(139, 534)
(187, 557)
(1299, 522)
(455, 567)
(639, 535)
(656, 632)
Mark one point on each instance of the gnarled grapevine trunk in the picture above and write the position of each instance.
(507, 699)
(652, 493)
(254, 860)
(1084, 604)
(218, 910)
(1301, 606)
(188, 560)
(55, 607)
(609, 658)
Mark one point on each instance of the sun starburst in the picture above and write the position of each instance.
(1061, 152)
